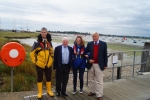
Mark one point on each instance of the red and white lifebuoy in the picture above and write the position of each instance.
(0, 55)
(13, 54)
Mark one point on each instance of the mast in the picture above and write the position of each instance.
(0, 23)
(14, 22)
(27, 25)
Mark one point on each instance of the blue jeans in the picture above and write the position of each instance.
(81, 75)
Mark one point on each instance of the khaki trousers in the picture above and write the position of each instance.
(96, 80)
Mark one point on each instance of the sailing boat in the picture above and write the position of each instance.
(14, 22)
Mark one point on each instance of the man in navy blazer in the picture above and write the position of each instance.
(62, 66)
(96, 63)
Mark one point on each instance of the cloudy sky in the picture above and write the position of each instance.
(117, 17)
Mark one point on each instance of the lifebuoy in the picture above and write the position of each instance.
(0, 55)
(13, 54)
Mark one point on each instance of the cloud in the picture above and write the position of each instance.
(105, 16)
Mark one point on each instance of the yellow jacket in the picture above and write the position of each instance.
(43, 58)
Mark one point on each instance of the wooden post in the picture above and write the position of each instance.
(148, 64)
(119, 72)
(145, 58)
(119, 69)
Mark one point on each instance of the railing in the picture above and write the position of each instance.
(133, 62)
(120, 55)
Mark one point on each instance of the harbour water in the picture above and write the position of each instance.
(130, 41)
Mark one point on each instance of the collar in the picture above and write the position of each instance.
(64, 46)
(97, 42)
(44, 40)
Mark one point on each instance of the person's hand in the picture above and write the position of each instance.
(105, 67)
(91, 61)
(71, 70)
(86, 56)
(55, 70)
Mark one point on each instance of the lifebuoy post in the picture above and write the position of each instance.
(12, 54)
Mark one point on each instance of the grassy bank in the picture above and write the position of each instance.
(18, 34)
(24, 74)
(122, 47)
(113, 47)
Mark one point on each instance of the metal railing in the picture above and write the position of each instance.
(111, 54)
(133, 62)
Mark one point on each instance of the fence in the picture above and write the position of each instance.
(116, 60)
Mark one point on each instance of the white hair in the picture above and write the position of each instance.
(94, 33)
(64, 38)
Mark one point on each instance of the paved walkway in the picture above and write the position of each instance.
(124, 89)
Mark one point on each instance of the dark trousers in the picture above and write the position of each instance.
(81, 75)
(47, 71)
(62, 76)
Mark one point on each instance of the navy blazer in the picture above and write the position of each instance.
(58, 57)
(102, 54)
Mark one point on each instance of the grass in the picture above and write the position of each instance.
(17, 34)
(124, 47)
(22, 82)
(24, 74)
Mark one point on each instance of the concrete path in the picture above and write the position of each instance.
(124, 89)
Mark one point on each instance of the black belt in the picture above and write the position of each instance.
(64, 64)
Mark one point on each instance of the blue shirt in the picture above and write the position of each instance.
(65, 55)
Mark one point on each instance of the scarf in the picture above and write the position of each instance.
(81, 51)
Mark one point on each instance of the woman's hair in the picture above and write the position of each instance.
(82, 41)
